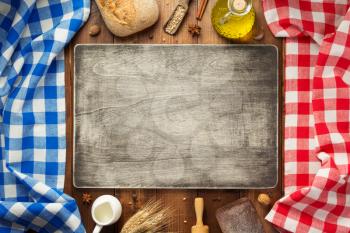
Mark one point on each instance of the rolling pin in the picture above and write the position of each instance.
(199, 208)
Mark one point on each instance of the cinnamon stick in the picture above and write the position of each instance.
(202, 6)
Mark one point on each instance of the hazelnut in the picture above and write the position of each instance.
(94, 30)
(264, 199)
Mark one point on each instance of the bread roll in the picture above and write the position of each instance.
(126, 17)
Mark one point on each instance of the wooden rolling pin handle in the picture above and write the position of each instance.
(199, 208)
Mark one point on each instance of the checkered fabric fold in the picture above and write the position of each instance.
(317, 114)
(33, 34)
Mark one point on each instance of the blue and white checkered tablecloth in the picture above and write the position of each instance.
(33, 34)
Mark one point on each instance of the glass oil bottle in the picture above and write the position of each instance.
(233, 19)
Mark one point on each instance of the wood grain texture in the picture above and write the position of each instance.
(104, 37)
(209, 111)
(155, 35)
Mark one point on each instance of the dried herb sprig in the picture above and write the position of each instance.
(154, 217)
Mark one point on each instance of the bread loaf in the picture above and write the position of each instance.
(126, 17)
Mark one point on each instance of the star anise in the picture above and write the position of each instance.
(87, 198)
(194, 29)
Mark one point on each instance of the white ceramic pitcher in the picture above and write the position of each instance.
(105, 210)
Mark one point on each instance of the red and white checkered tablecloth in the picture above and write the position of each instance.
(317, 114)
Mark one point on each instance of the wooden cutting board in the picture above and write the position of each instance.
(175, 116)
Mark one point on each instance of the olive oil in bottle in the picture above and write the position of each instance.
(233, 19)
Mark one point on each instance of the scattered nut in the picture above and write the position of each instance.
(264, 199)
(259, 36)
(184, 199)
(150, 36)
(94, 30)
(185, 221)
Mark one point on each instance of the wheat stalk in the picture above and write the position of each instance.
(152, 218)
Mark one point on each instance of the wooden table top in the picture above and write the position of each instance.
(133, 199)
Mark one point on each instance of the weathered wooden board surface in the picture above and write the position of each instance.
(182, 199)
(193, 116)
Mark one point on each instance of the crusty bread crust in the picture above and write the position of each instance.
(125, 17)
